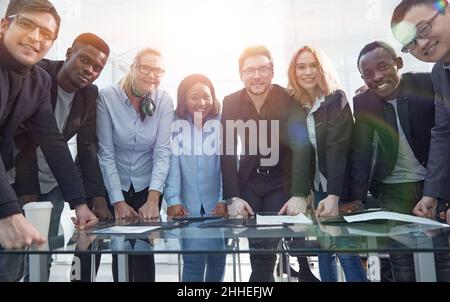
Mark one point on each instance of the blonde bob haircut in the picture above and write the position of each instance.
(328, 82)
(126, 83)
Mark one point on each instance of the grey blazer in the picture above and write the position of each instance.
(437, 182)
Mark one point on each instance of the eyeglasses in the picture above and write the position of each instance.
(146, 70)
(421, 32)
(45, 34)
(264, 71)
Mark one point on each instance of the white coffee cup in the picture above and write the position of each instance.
(38, 214)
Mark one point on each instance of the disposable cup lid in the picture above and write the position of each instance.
(38, 205)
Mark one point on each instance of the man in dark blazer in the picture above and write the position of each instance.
(431, 18)
(374, 119)
(27, 33)
(258, 101)
(396, 115)
(257, 182)
(74, 100)
(84, 62)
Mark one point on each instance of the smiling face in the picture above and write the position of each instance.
(199, 100)
(257, 74)
(435, 46)
(307, 72)
(25, 43)
(83, 66)
(379, 71)
(147, 82)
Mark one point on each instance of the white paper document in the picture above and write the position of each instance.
(383, 230)
(125, 230)
(392, 216)
(281, 219)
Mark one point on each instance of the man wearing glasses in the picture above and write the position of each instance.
(27, 33)
(255, 186)
(423, 28)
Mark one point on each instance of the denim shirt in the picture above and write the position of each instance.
(132, 151)
(194, 177)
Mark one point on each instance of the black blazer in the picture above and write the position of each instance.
(236, 107)
(333, 124)
(34, 109)
(437, 181)
(81, 121)
(301, 148)
(416, 114)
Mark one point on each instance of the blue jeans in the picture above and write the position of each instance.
(203, 267)
(207, 267)
(351, 263)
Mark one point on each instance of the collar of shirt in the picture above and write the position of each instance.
(446, 66)
(316, 105)
(249, 100)
(123, 96)
(67, 95)
(391, 100)
(269, 99)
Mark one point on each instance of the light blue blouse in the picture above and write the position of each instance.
(132, 151)
(194, 177)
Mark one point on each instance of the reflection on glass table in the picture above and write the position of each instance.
(175, 237)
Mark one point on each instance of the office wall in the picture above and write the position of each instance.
(207, 36)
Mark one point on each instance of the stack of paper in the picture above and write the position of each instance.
(385, 230)
(385, 215)
(125, 230)
(282, 219)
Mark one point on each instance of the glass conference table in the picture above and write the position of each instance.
(195, 236)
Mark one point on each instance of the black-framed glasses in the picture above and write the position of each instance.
(45, 34)
(146, 70)
(263, 70)
(421, 32)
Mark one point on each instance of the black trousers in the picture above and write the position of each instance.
(81, 266)
(141, 268)
(264, 193)
(402, 198)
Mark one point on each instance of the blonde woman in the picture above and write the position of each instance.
(134, 121)
(314, 85)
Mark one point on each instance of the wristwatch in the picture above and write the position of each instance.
(231, 200)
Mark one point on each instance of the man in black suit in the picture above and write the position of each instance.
(74, 99)
(396, 115)
(27, 33)
(423, 28)
(260, 184)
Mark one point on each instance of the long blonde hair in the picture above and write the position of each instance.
(328, 82)
(127, 82)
